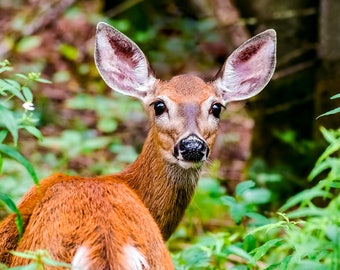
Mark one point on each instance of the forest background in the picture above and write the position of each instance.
(268, 200)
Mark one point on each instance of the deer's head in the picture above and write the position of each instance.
(185, 110)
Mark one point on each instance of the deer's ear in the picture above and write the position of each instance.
(248, 69)
(121, 63)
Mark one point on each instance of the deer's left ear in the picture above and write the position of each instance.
(248, 69)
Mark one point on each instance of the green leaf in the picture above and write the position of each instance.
(336, 96)
(241, 253)
(283, 265)
(22, 76)
(27, 93)
(35, 132)
(8, 85)
(41, 80)
(3, 135)
(8, 120)
(28, 43)
(258, 219)
(3, 69)
(306, 212)
(1, 163)
(262, 250)
(13, 153)
(107, 125)
(26, 255)
(335, 184)
(228, 200)
(304, 196)
(237, 212)
(68, 51)
(333, 164)
(13, 83)
(243, 186)
(12, 87)
(51, 262)
(257, 196)
(334, 111)
(11, 205)
(269, 227)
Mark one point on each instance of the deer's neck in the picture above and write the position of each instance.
(166, 189)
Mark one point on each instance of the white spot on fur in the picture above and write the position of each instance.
(134, 259)
(80, 260)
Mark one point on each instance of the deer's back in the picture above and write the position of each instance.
(96, 222)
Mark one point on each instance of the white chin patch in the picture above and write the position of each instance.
(189, 165)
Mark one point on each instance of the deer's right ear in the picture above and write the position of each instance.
(121, 63)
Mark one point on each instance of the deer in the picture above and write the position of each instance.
(121, 221)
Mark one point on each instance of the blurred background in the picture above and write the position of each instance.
(273, 139)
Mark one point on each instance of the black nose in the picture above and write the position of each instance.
(192, 149)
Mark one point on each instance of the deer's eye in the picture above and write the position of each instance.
(159, 107)
(216, 109)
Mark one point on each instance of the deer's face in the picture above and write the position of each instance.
(185, 110)
(185, 114)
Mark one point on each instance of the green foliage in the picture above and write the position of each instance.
(12, 120)
(245, 202)
(39, 260)
(110, 112)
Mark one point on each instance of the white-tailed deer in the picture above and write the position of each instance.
(120, 221)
